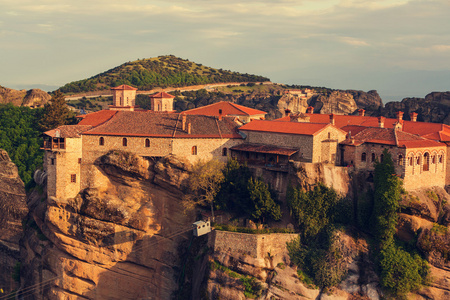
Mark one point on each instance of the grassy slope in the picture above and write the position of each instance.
(161, 71)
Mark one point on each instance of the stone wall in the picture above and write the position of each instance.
(409, 163)
(254, 245)
(124, 97)
(207, 148)
(303, 142)
(322, 147)
(325, 147)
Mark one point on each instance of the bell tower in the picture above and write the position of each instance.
(124, 97)
(162, 101)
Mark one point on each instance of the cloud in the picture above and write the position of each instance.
(352, 41)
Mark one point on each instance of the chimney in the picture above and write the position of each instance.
(310, 110)
(413, 116)
(349, 134)
(361, 112)
(183, 122)
(220, 114)
(381, 121)
(332, 119)
(399, 116)
(189, 128)
(287, 112)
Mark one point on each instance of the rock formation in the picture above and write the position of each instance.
(12, 210)
(117, 239)
(30, 98)
(435, 107)
(337, 102)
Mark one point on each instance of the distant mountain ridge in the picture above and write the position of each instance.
(162, 71)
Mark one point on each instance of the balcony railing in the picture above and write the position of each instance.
(55, 144)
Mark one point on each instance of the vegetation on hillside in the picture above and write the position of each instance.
(401, 271)
(315, 251)
(20, 137)
(231, 188)
(162, 71)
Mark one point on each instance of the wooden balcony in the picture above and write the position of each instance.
(54, 144)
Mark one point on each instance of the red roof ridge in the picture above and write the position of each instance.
(162, 95)
(124, 87)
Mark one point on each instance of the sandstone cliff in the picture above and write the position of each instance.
(435, 107)
(117, 239)
(12, 210)
(31, 98)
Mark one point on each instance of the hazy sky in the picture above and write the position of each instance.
(400, 48)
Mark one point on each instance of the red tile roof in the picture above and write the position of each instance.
(264, 149)
(302, 128)
(124, 87)
(157, 124)
(97, 118)
(161, 95)
(434, 131)
(68, 131)
(228, 109)
(387, 136)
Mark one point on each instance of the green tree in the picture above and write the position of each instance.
(246, 196)
(233, 191)
(263, 207)
(204, 183)
(56, 112)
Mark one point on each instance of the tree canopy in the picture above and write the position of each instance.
(20, 137)
(55, 112)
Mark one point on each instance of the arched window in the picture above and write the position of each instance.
(147, 143)
(410, 160)
(426, 162)
(381, 157)
(400, 160)
(124, 142)
(363, 156)
(373, 157)
(418, 160)
(194, 150)
(440, 159)
(329, 135)
(101, 141)
(433, 159)
(224, 152)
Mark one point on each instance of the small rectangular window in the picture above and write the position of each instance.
(73, 178)
(52, 160)
(79, 160)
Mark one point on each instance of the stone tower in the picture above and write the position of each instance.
(162, 101)
(124, 97)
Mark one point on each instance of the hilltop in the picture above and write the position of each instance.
(161, 71)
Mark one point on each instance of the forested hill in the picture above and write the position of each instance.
(162, 71)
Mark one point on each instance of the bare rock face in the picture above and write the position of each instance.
(293, 103)
(118, 241)
(425, 214)
(435, 107)
(308, 175)
(31, 98)
(337, 102)
(12, 210)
